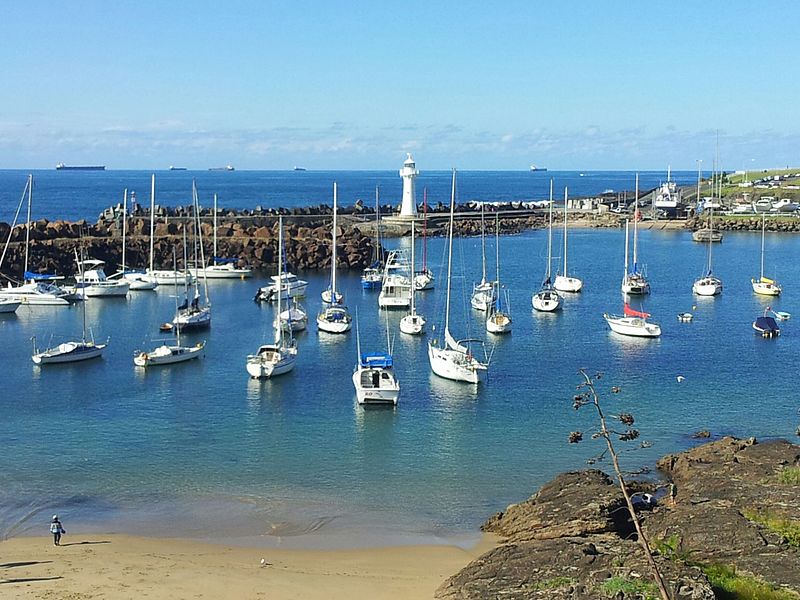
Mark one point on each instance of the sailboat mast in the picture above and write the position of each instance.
(377, 224)
(333, 250)
(565, 231)
(636, 217)
(413, 284)
(710, 236)
(215, 230)
(175, 275)
(278, 325)
(124, 225)
(763, 229)
(152, 216)
(28, 227)
(497, 252)
(200, 240)
(483, 243)
(625, 274)
(550, 233)
(450, 256)
(425, 229)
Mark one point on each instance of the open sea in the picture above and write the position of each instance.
(202, 451)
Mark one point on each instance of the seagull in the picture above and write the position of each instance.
(680, 378)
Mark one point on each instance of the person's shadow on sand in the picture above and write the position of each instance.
(86, 543)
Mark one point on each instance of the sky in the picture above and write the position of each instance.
(355, 85)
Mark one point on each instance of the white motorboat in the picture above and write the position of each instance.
(708, 284)
(632, 323)
(37, 289)
(137, 280)
(372, 277)
(93, 283)
(449, 358)
(765, 286)
(547, 298)
(499, 318)
(271, 360)
(220, 267)
(294, 318)
(396, 285)
(290, 285)
(766, 326)
(374, 377)
(334, 316)
(412, 323)
(563, 282)
(8, 305)
(483, 297)
(634, 282)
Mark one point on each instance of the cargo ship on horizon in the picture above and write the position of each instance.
(63, 167)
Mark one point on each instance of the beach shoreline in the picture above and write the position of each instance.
(117, 567)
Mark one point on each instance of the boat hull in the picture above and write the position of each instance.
(8, 306)
(766, 289)
(572, 285)
(169, 277)
(632, 326)
(261, 367)
(371, 395)
(221, 272)
(168, 355)
(69, 352)
(707, 286)
(412, 324)
(498, 323)
(455, 365)
(424, 281)
(200, 319)
(546, 301)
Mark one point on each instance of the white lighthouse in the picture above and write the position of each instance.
(408, 208)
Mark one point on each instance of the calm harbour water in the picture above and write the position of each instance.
(200, 450)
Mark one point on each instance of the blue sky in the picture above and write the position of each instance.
(354, 85)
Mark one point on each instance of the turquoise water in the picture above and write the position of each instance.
(200, 450)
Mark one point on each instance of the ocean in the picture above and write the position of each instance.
(202, 451)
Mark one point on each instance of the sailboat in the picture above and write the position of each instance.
(449, 358)
(499, 319)
(424, 280)
(708, 285)
(37, 289)
(138, 281)
(167, 353)
(162, 276)
(634, 283)
(220, 267)
(294, 318)
(632, 323)
(334, 316)
(374, 377)
(563, 282)
(373, 275)
(547, 298)
(483, 297)
(193, 315)
(330, 295)
(412, 323)
(763, 285)
(279, 357)
(72, 351)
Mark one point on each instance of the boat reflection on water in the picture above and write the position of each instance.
(453, 394)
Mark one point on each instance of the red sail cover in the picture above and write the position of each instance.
(629, 312)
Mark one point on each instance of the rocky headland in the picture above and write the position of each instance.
(730, 505)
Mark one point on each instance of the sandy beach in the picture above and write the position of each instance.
(120, 567)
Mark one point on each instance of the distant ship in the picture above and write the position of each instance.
(226, 168)
(535, 168)
(63, 167)
(171, 168)
(299, 169)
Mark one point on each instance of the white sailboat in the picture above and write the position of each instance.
(424, 279)
(765, 286)
(634, 283)
(330, 295)
(373, 275)
(279, 357)
(295, 317)
(483, 297)
(563, 282)
(374, 377)
(412, 323)
(221, 267)
(162, 276)
(708, 284)
(167, 353)
(193, 315)
(499, 318)
(547, 298)
(138, 281)
(449, 358)
(72, 351)
(632, 323)
(37, 289)
(334, 316)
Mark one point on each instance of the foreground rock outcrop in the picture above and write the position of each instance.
(573, 539)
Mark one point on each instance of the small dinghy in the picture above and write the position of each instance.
(685, 317)
(780, 316)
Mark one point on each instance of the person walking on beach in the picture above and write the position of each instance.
(56, 529)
